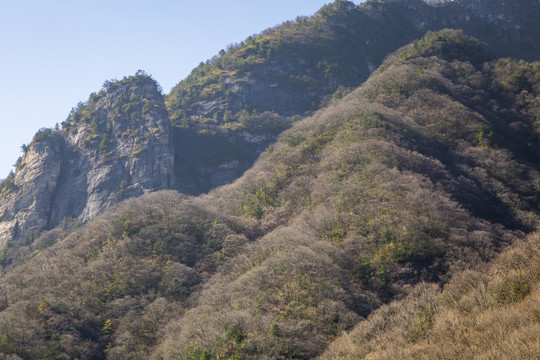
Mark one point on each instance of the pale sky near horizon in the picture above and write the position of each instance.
(55, 53)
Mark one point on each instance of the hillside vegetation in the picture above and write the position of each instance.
(421, 174)
(299, 65)
(488, 313)
(252, 90)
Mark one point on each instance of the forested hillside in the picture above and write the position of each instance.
(243, 97)
(487, 313)
(409, 183)
(129, 138)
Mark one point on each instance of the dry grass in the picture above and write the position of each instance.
(491, 313)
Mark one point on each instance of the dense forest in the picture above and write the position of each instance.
(396, 218)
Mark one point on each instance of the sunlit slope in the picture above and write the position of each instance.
(428, 168)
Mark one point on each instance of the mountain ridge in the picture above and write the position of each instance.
(407, 181)
(242, 99)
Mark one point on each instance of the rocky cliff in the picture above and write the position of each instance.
(293, 69)
(128, 139)
(116, 146)
(516, 12)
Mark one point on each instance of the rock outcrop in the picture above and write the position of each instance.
(116, 146)
(515, 12)
(127, 140)
(295, 68)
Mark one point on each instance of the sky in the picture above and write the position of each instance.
(54, 53)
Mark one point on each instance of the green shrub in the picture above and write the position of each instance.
(511, 290)
(42, 134)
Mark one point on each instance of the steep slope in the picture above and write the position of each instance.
(116, 146)
(487, 313)
(291, 68)
(409, 179)
(428, 168)
(289, 71)
(230, 108)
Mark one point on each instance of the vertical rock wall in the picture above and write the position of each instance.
(117, 146)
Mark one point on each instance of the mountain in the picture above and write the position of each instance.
(129, 139)
(411, 182)
(116, 146)
(253, 90)
(290, 69)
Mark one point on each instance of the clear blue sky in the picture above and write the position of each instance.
(55, 53)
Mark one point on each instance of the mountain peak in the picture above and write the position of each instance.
(447, 45)
(115, 146)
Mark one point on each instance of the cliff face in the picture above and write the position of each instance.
(301, 65)
(115, 147)
(212, 126)
(511, 28)
(293, 68)
(26, 208)
(515, 12)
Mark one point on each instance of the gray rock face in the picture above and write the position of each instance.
(514, 12)
(307, 66)
(27, 208)
(118, 146)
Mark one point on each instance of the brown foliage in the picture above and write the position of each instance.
(416, 176)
